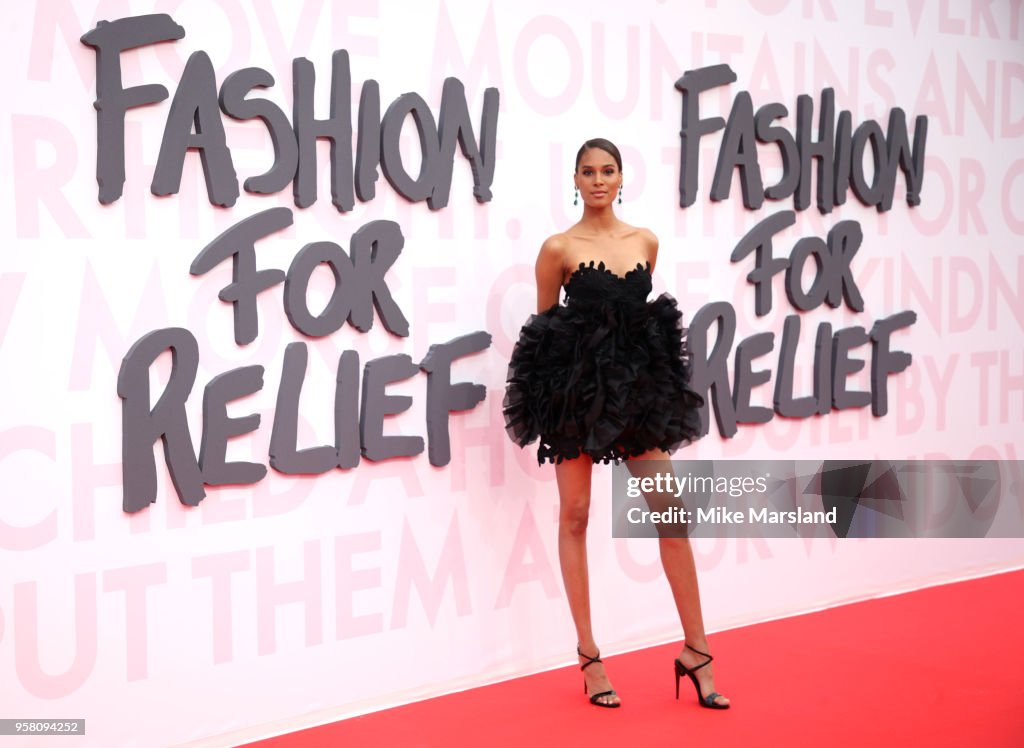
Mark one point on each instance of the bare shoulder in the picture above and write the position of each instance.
(552, 256)
(550, 262)
(556, 244)
(650, 242)
(649, 237)
(646, 235)
(553, 251)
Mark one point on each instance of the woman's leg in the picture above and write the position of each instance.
(681, 571)
(573, 478)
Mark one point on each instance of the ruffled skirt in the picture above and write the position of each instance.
(609, 381)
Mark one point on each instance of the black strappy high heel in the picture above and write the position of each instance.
(681, 669)
(595, 698)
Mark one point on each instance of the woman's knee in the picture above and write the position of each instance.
(574, 516)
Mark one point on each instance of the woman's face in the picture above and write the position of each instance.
(598, 178)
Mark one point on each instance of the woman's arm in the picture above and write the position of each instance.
(652, 248)
(549, 271)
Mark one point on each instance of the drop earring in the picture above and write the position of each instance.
(620, 194)
(576, 197)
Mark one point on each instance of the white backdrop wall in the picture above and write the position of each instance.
(303, 598)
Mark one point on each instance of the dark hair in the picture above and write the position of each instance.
(601, 144)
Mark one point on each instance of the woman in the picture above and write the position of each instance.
(605, 378)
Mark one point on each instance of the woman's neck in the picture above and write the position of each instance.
(600, 220)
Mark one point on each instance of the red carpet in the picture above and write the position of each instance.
(936, 667)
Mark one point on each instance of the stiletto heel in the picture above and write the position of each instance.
(681, 669)
(595, 698)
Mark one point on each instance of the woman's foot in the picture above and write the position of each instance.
(705, 677)
(598, 687)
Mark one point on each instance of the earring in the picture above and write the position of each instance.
(576, 197)
(620, 194)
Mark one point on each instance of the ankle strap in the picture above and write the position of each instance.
(590, 660)
(705, 654)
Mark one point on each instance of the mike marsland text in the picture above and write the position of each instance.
(723, 516)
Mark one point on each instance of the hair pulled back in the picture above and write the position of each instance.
(600, 144)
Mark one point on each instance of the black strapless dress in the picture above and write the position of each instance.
(606, 375)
